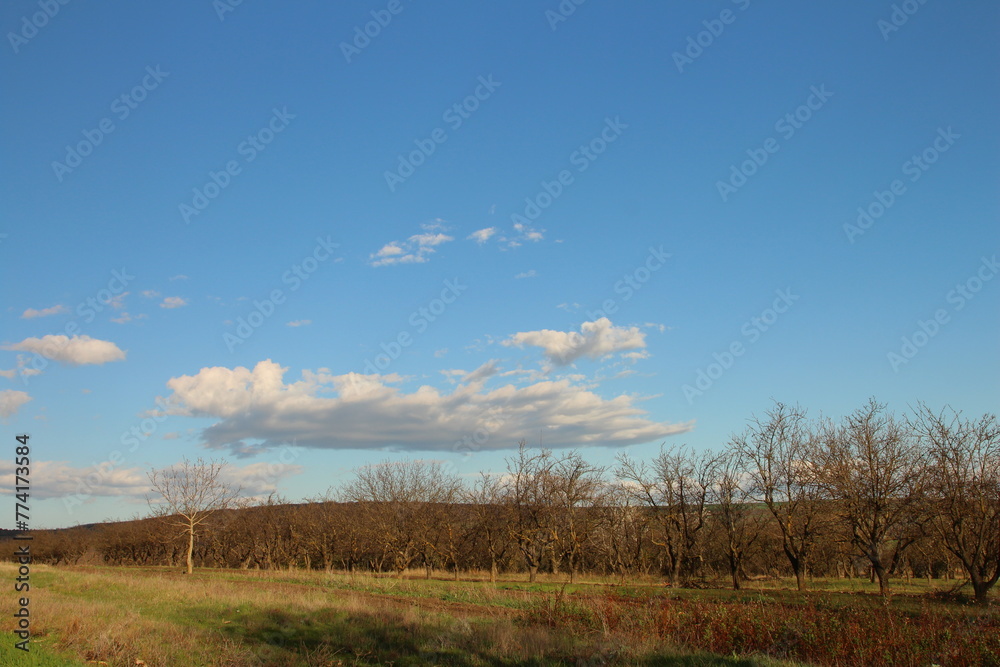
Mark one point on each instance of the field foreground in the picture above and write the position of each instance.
(154, 616)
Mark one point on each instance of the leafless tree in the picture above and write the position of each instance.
(675, 488)
(578, 488)
(740, 521)
(780, 453)
(870, 466)
(964, 489)
(492, 515)
(404, 500)
(530, 499)
(191, 493)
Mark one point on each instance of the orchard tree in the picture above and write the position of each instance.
(780, 452)
(870, 466)
(964, 490)
(190, 493)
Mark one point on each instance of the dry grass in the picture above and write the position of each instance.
(250, 618)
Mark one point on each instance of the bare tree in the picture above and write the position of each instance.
(780, 452)
(965, 489)
(870, 467)
(492, 515)
(191, 493)
(741, 522)
(530, 499)
(675, 488)
(578, 489)
(404, 502)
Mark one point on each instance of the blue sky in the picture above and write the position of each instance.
(567, 222)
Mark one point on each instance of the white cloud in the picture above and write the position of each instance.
(11, 401)
(125, 317)
(55, 479)
(75, 351)
(31, 313)
(481, 236)
(179, 276)
(595, 339)
(8, 374)
(118, 301)
(414, 250)
(150, 293)
(527, 274)
(173, 302)
(60, 479)
(299, 323)
(368, 412)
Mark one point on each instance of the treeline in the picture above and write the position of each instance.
(873, 494)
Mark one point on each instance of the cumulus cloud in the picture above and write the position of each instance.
(414, 250)
(481, 236)
(527, 274)
(11, 401)
(299, 323)
(595, 340)
(72, 351)
(173, 302)
(31, 313)
(349, 411)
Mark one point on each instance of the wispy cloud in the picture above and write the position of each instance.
(32, 313)
(173, 302)
(414, 250)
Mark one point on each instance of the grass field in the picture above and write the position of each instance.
(155, 616)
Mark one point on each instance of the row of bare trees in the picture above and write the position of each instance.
(872, 493)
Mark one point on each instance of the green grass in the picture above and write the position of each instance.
(236, 618)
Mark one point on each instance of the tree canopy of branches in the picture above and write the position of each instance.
(191, 492)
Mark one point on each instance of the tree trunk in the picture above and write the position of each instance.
(190, 550)
(800, 578)
(532, 573)
(493, 570)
